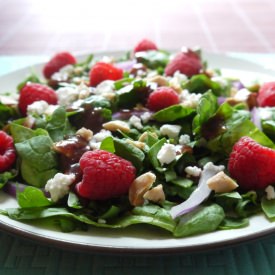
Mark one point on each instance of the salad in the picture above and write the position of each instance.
(152, 137)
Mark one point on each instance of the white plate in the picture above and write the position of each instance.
(138, 238)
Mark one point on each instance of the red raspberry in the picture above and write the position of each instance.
(105, 175)
(187, 63)
(251, 164)
(104, 71)
(145, 45)
(161, 98)
(266, 95)
(57, 62)
(7, 152)
(32, 92)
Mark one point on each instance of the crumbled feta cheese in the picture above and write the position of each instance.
(222, 81)
(242, 95)
(193, 171)
(59, 185)
(266, 113)
(105, 87)
(145, 117)
(172, 131)
(136, 122)
(102, 135)
(167, 153)
(63, 74)
(177, 79)
(189, 99)
(184, 139)
(37, 107)
(270, 192)
(67, 95)
(83, 91)
(96, 140)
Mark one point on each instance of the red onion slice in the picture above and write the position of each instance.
(255, 117)
(201, 192)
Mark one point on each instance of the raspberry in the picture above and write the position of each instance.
(104, 71)
(32, 92)
(105, 175)
(145, 45)
(7, 152)
(251, 164)
(161, 98)
(187, 63)
(266, 95)
(57, 62)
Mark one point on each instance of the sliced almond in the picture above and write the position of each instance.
(138, 144)
(155, 194)
(139, 187)
(116, 125)
(85, 133)
(221, 183)
(160, 80)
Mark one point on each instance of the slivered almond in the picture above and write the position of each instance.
(155, 194)
(116, 125)
(221, 183)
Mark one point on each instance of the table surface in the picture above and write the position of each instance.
(32, 30)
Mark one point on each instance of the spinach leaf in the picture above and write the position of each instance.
(268, 207)
(129, 152)
(130, 95)
(58, 125)
(173, 113)
(31, 78)
(201, 220)
(108, 145)
(32, 197)
(6, 176)
(6, 113)
(73, 201)
(234, 223)
(153, 152)
(153, 59)
(201, 83)
(38, 160)
(206, 108)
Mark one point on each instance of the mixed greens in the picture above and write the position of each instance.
(208, 124)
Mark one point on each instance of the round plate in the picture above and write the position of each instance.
(139, 239)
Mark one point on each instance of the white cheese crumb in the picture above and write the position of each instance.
(145, 117)
(193, 171)
(96, 140)
(105, 87)
(242, 95)
(63, 74)
(184, 139)
(59, 185)
(37, 107)
(172, 131)
(266, 113)
(270, 192)
(167, 153)
(177, 79)
(136, 122)
(67, 95)
(189, 99)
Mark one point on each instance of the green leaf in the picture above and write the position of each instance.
(73, 201)
(129, 152)
(38, 160)
(153, 59)
(234, 223)
(201, 220)
(6, 176)
(21, 133)
(268, 207)
(31, 78)
(153, 152)
(58, 125)
(32, 197)
(6, 113)
(130, 95)
(107, 144)
(173, 113)
(201, 83)
(206, 108)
